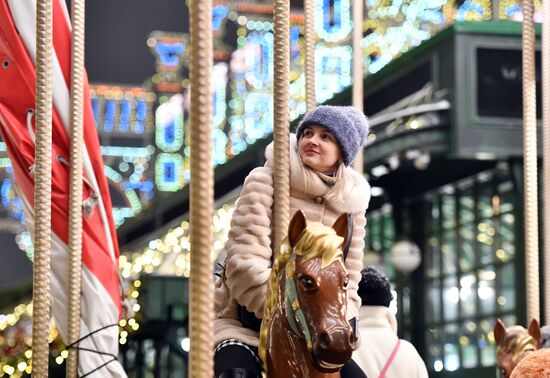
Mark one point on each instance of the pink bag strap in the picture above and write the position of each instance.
(390, 359)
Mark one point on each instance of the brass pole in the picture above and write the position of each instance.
(309, 58)
(530, 163)
(75, 190)
(281, 119)
(42, 190)
(201, 301)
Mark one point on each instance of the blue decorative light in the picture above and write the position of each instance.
(259, 58)
(125, 113)
(170, 53)
(141, 115)
(333, 66)
(95, 110)
(512, 10)
(219, 146)
(467, 9)
(258, 108)
(169, 172)
(219, 82)
(219, 12)
(332, 22)
(109, 117)
(169, 133)
(295, 44)
(10, 201)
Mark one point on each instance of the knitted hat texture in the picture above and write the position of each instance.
(348, 125)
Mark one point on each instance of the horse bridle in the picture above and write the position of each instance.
(294, 313)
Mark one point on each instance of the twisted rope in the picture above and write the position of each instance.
(546, 152)
(201, 190)
(281, 20)
(309, 34)
(75, 190)
(42, 190)
(357, 72)
(530, 163)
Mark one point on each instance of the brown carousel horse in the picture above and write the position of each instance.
(514, 343)
(304, 330)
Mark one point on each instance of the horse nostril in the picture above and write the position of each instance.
(324, 340)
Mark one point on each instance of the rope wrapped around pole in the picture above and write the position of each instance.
(530, 163)
(42, 190)
(201, 301)
(281, 20)
(281, 119)
(357, 94)
(546, 153)
(75, 190)
(309, 36)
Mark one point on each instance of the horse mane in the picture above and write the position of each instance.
(516, 342)
(317, 240)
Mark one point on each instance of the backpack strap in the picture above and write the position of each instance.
(390, 359)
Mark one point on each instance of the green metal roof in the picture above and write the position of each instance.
(496, 27)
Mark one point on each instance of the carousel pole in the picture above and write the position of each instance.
(201, 301)
(42, 191)
(281, 34)
(309, 36)
(546, 152)
(357, 72)
(530, 163)
(75, 190)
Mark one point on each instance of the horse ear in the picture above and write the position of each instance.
(534, 331)
(341, 227)
(295, 228)
(499, 331)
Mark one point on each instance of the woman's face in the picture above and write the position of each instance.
(318, 149)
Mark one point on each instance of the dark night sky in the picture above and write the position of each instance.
(116, 35)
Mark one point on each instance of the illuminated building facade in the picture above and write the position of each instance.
(144, 137)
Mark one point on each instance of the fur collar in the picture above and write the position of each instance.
(356, 190)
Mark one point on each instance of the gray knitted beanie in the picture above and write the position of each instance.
(349, 126)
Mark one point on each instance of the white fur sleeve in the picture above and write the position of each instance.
(248, 263)
(354, 263)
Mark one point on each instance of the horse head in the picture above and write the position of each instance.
(310, 306)
(514, 343)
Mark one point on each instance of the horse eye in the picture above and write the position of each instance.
(307, 282)
(346, 282)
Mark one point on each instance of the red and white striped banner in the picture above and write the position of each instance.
(101, 294)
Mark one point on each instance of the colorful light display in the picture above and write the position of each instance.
(155, 154)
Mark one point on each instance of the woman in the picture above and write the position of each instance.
(323, 186)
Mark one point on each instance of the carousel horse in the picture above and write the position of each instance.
(514, 343)
(304, 331)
